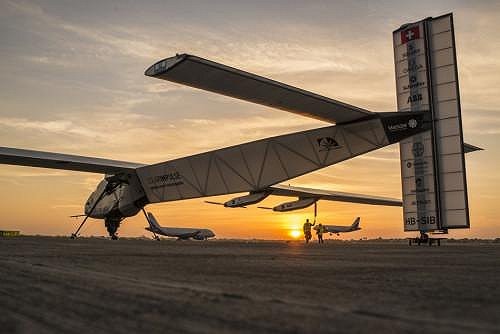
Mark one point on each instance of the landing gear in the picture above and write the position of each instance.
(110, 186)
(112, 225)
(425, 239)
(75, 235)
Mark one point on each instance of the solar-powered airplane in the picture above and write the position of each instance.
(255, 167)
(428, 124)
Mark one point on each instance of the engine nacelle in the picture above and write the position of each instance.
(249, 199)
(123, 197)
(295, 205)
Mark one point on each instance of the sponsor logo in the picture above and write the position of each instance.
(327, 144)
(397, 127)
(411, 53)
(414, 83)
(166, 180)
(420, 186)
(418, 149)
(414, 98)
(412, 66)
(411, 124)
(410, 34)
(421, 202)
(419, 182)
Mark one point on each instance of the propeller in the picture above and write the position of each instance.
(216, 203)
(219, 203)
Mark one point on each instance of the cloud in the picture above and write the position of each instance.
(56, 127)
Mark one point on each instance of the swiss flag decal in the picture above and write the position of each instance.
(410, 34)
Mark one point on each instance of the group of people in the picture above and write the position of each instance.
(308, 233)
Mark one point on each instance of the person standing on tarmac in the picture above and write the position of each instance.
(307, 230)
(319, 232)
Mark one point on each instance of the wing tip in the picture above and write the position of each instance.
(165, 64)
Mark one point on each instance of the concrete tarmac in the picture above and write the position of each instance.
(58, 285)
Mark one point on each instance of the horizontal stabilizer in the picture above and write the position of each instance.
(20, 157)
(468, 148)
(214, 77)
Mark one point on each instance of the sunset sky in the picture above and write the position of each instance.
(72, 82)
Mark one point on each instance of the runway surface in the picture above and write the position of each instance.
(57, 285)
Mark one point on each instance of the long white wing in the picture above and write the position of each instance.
(15, 156)
(260, 164)
(208, 75)
(338, 196)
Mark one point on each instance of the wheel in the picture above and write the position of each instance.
(114, 237)
(73, 236)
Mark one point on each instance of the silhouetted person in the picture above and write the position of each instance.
(319, 232)
(307, 230)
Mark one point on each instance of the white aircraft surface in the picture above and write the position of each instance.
(181, 233)
(335, 229)
(255, 167)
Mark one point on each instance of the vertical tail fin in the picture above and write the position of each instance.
(432, 163)
(356, 222)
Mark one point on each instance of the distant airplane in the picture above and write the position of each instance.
(181, 233)
(342, 229)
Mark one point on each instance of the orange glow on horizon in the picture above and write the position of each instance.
(295, 234)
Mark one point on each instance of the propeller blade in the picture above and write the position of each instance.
(216, 203)
(77, 216)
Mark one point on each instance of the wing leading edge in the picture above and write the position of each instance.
(20, 157)
(218, 78)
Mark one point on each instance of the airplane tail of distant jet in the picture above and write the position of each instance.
(355, 225)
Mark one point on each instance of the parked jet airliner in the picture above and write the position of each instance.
(181, 233)
(342, 229)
